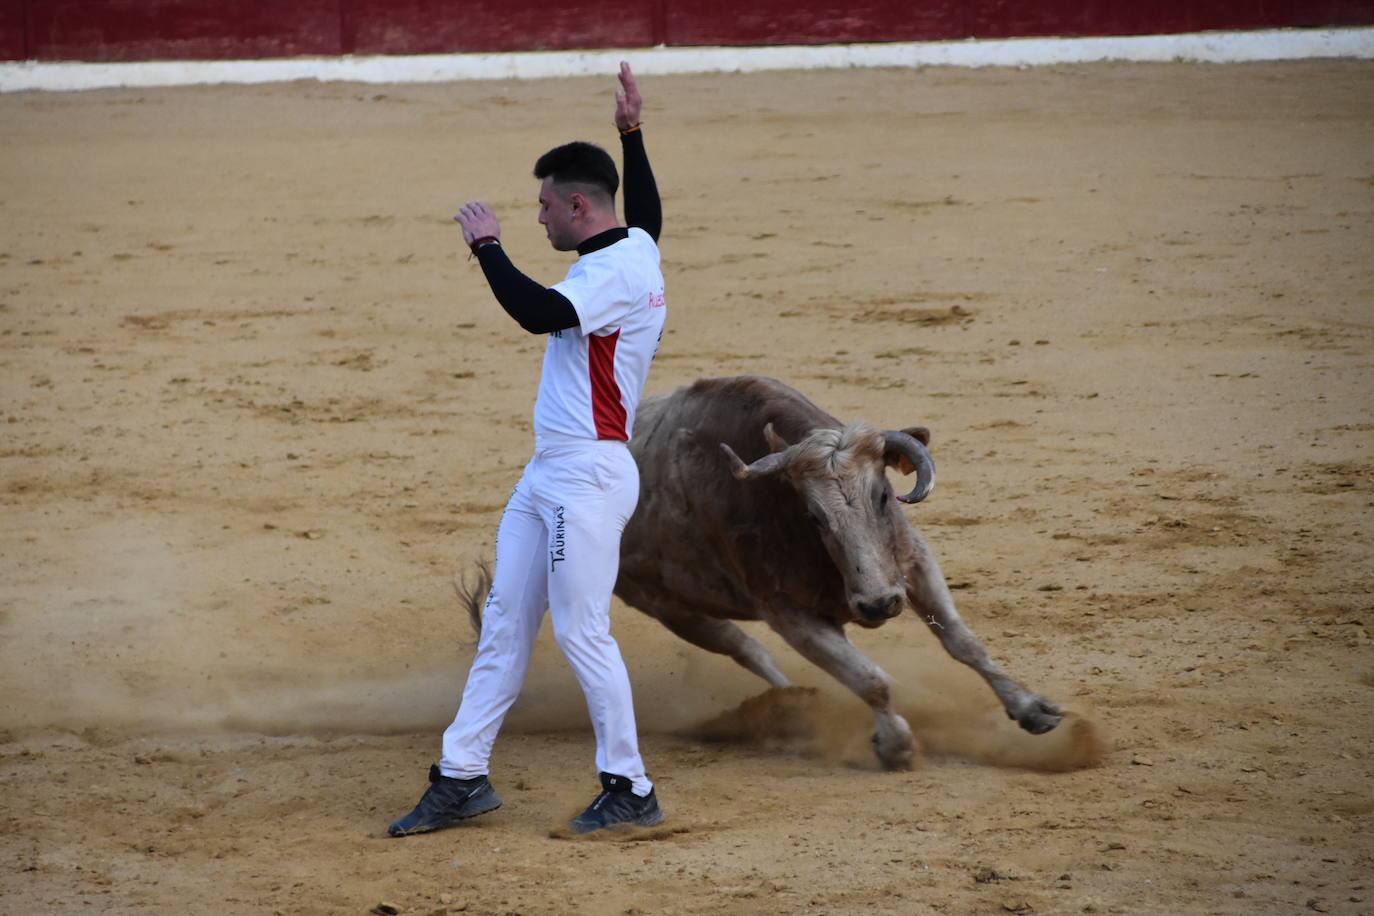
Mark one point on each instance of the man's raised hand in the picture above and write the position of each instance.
(627, 99)
(477, 221)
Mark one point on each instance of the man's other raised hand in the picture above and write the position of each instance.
(627, 99)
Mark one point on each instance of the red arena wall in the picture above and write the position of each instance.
(129, 30)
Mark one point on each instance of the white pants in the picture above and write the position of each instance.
(558, 547)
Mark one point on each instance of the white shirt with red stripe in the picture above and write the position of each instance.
(594, 373)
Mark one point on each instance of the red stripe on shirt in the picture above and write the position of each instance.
(607, 410)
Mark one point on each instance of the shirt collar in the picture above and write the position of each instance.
(603, 240)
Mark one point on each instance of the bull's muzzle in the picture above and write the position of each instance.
(880, 609)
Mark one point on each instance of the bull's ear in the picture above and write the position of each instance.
(775, 442)
(920, 433)
(906, 451)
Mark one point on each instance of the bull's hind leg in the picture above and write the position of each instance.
(932, 602)
(723, 637)
(822, 642)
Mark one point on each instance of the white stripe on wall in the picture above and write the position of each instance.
(1206, 47)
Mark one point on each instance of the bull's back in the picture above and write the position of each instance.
(733, 410)
(697, 528)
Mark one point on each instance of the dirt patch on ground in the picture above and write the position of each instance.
(259, 407)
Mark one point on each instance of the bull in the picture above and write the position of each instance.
(755, 504)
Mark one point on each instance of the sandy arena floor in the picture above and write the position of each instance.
(259, 407)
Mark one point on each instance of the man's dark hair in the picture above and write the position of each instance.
(579, 163)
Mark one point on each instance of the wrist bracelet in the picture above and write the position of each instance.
(484, 240)
(630, 130)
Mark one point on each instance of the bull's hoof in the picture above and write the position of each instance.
(895, 745)
(1039, 716)
(894, 758)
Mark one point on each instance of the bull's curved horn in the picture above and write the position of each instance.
(764, 467)
(900, 445)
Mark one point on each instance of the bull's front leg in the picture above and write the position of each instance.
(932, 602)
(822, 642)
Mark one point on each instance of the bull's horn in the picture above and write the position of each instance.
(775, 442)
(764, 467)
(900, 445)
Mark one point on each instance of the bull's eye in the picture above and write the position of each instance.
(817, 519)
(882, 500)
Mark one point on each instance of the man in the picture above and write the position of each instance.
(558, 545)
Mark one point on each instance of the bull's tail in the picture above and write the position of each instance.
(474, 597)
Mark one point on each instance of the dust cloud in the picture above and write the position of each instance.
(151, 662)
(951, 712)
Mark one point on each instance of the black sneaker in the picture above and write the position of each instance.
(446, 802)
(618, 805)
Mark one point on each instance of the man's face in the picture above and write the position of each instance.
(556, 216)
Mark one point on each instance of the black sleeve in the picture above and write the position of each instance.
(538, 309)
(642, 205)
